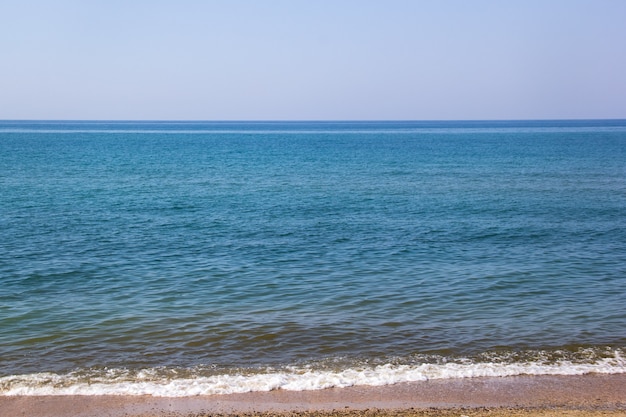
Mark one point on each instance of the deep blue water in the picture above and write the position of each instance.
(236, 245)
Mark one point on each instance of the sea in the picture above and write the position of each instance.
(194, 258)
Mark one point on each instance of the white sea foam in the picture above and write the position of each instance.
(154, 382)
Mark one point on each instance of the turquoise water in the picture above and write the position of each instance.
(189, 251)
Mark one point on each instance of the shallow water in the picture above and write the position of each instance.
(200, 250)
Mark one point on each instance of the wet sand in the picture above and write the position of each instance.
(589, 395)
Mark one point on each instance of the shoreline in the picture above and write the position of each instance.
(590, 394)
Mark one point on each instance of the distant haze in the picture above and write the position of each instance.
(302, 60)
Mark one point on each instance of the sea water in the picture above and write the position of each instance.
(183, 258)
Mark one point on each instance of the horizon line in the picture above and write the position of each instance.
(311, 120)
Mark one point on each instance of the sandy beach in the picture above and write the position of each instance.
(588, 395)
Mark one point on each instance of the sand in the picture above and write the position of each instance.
(580, 396)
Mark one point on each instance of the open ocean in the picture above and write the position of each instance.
(184, 258)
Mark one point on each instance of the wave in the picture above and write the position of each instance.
(203, 380)
(312, 127)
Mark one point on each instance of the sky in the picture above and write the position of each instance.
(312, 59)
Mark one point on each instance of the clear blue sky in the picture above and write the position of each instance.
(314, 59)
